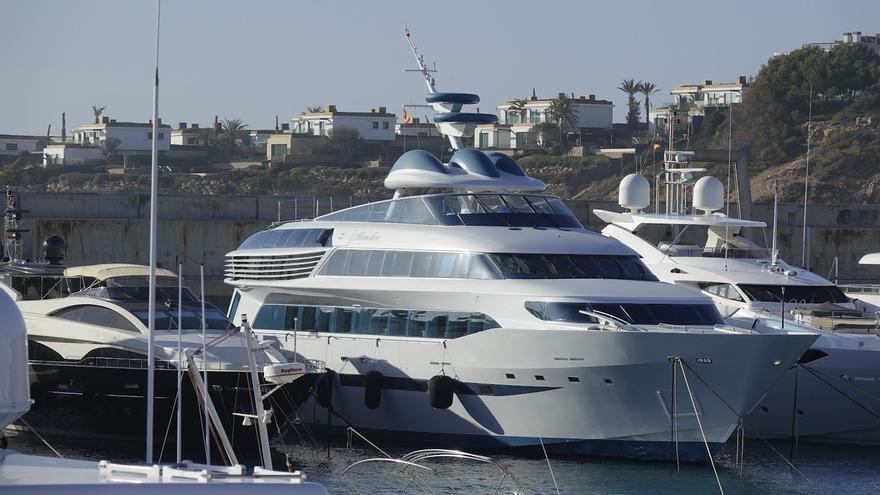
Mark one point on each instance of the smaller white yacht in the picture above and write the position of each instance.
(87, 348)
(870, 293)
(832, 395)
(33, 474)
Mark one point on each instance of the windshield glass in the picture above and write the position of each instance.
(166, 319)
(634, 313)
(512, 265)
(795, 294)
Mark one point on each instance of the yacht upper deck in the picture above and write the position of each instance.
(474, 209)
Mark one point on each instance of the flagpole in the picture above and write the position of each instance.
(154, 214)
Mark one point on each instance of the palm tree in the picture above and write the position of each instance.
(647, 89)
(631, 87)
(518, 107)
(561, 111)
(98, 111)
(316, 109)
(231, 130)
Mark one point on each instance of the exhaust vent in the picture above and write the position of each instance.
(272, 267)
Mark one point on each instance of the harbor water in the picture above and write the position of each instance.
(820, 469)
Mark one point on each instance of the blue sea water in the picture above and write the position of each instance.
(823, 469)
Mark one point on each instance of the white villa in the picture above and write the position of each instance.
(872, 42)
(132, 138)
(511, 130)
(14, 144)
(375, 125)
(708, 94)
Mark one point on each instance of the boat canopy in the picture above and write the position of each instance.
(110, 270)
(870, 259)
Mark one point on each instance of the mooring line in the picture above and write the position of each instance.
(700, 424)
(45, 442)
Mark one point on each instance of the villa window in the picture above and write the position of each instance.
(384, 125)
(11, 146)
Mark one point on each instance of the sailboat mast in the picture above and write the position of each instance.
(804, 257)
(154, 213)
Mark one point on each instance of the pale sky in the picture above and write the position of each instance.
(257, 59)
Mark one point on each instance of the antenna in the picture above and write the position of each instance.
(154, 216)
(729, 167)
(774, 254)
(205, 364)
(804, 257)
(420, 61)
(179, 363)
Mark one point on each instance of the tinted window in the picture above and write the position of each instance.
(378, 263)
(278, 238)
(726, 291)
(272, 317)
(810, 294)
(373, 321)
(635, 313)
(570, 266)
(97, 315)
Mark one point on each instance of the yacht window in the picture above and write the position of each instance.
(638, 314)
(97, 315)
(803, 294)
(570, 266)
(567, 312)
(166, 319)
(335, 264)
(378, 211)
(421, 264)
(374, 321)
(272, 317)
(342, 320)
(415, 212)
(285, 238)
(233, 306)
(374, 267)
(726, 291)
(402, 264)
(357, 262)
(306, 318)
(323, 317)
(493, 204)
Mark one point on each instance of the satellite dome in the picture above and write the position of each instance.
(634, 193)
(54, 249)
(708, 195)
(14, 388)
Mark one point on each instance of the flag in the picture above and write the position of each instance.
(407, 118)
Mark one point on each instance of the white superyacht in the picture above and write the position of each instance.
(833, 395)
(488, 317)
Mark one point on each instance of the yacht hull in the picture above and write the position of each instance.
(98, 402)
(583, 392)
(833, 399)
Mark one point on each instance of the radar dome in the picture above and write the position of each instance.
(634, 192)
(708, 195)
(54, 249)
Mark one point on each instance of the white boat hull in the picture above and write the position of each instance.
(578, 391)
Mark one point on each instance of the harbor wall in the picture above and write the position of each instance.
(194, 230)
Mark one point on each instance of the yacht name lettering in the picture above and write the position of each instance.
(364, 237)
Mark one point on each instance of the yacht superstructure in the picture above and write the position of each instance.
(832, 394)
